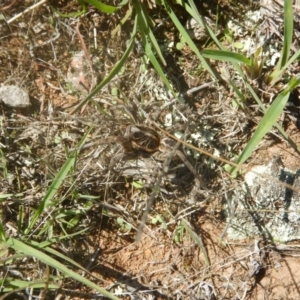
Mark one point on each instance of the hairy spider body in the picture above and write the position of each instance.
(142, 138)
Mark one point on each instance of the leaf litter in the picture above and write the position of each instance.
(167, 261)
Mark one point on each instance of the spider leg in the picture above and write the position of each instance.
(191, 168)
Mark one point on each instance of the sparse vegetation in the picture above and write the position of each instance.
(94, 207)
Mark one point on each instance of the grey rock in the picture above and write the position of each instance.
(13, 96)
(265, 205)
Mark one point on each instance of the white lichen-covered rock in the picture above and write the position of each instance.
(197, 31)
(13, 96)
(265, 206)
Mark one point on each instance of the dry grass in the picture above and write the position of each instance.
(97, 208)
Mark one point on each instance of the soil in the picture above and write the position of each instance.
(183, 251)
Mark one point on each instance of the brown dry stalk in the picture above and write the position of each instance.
(87, 55)
(26, 11)
(8, 6)
(224, 160)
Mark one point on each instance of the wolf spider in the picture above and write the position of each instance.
(140, 140)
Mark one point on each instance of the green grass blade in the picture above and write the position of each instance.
(276, 74)
(11, 284)
(197, 239)
(193, 11)
(145, 29)
(294, 82)
(156, 46)
(287, 42)
(116, 69)
(237, 91)
(30, 251)
(65, 258)
(186, 36)
(2, 234)
(47, 243)
(44, 246)
(288, 31)
(122, 3)
(57, 182)
(280, 129)
(122, 22)
(151, 55)
(268, 120)
(3, 165)
(102, 7)
(226, 56)
(71, 15)
(195, 14)
(157, 67)
(71, 262)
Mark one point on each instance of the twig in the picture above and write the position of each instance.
(219, 158)
(26, 11)
(226, 161)
(8, 6)
(87, 55)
